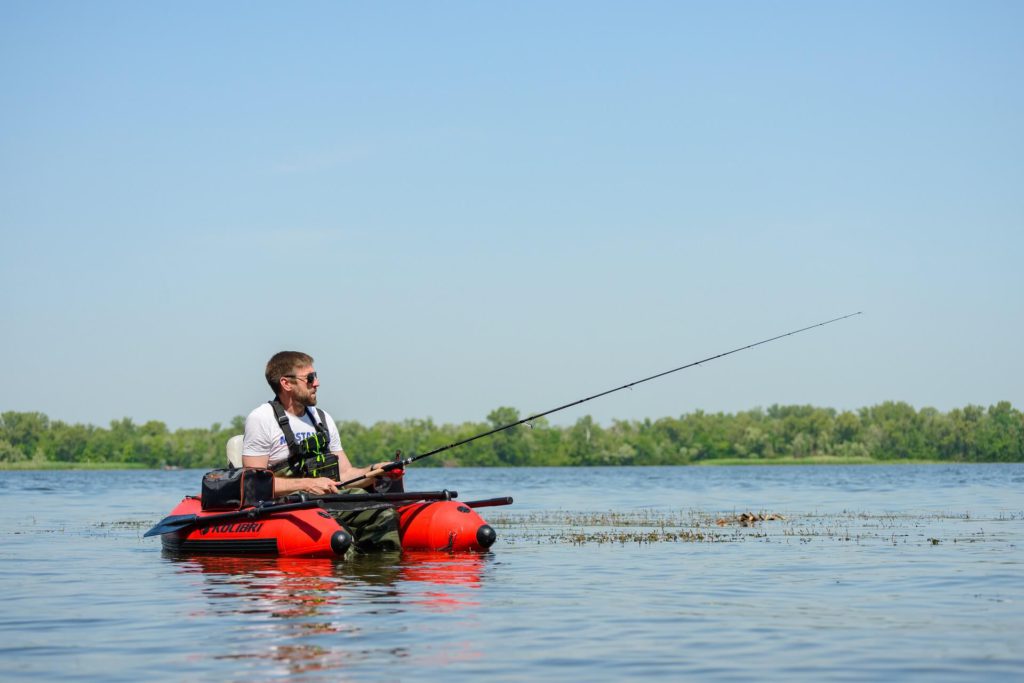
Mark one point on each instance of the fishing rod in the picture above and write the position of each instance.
(400, 462)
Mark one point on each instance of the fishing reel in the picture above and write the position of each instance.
(391, 482)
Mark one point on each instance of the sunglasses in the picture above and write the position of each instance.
(310, 378)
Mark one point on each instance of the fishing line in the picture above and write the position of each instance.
(402, 462)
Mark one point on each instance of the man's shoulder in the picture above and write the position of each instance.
(266, 410)
(262, 411)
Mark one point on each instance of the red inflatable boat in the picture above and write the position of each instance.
(308, 530)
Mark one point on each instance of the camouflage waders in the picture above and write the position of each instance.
(373, 525)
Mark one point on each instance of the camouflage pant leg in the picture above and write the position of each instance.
(374, 526)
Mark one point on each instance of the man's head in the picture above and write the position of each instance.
(292, 373)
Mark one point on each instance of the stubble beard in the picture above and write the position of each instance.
(309, 399)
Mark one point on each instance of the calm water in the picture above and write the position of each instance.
(907, 572)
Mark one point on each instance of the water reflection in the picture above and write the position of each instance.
(443, 570)
(279, 587)
(320, 614)
(300, 587)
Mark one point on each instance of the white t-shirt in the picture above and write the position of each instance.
(263, 436)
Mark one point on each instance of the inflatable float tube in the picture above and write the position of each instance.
(443, 525)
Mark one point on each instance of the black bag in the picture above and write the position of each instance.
(236, 488)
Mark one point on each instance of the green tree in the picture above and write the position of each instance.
(899, 430)
(511, 446)
(26, 432)
(1001, 436)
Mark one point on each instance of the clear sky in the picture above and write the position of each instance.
(462, 205)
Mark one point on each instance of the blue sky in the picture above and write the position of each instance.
(457, 206)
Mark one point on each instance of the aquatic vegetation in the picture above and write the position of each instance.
(648, 526)
(125, 524)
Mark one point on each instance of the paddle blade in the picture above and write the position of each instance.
(172, 523)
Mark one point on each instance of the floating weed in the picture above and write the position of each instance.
(97, 529)
(124, 524)
(650, 526)
(641, 527)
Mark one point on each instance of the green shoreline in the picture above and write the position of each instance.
(49, 465)
(721, 462)
(816, 460)
(777, 435)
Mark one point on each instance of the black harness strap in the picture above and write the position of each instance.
(295, 451)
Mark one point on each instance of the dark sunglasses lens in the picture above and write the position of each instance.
(310, 378)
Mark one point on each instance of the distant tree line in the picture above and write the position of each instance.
(891, 431)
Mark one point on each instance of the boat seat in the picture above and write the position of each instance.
(234, 449)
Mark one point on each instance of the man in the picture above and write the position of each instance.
(301, 444)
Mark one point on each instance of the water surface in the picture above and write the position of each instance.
(599, 574)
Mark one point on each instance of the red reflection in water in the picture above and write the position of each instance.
(303, 584)
(444, 569)
(456, 569)
(312, 598)
(285, 587)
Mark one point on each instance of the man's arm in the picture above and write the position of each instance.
(347, 472)
(285, 485)
(258, 441)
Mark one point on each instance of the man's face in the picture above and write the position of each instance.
(303, 390)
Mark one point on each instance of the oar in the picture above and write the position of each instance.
(490, 502)
(375, 497)
(297, 501)
(179, 522)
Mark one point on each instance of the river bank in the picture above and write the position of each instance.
(47, 465)
(719, 462)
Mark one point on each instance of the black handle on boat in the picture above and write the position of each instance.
(179, 522)
(406, 461)
(373, 497)
(490, 502)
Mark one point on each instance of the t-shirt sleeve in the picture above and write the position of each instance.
(332, 431)
(257, 439)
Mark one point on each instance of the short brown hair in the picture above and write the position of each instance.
(281, 364)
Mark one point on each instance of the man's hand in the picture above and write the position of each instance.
(319, 486)
(378, 470)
